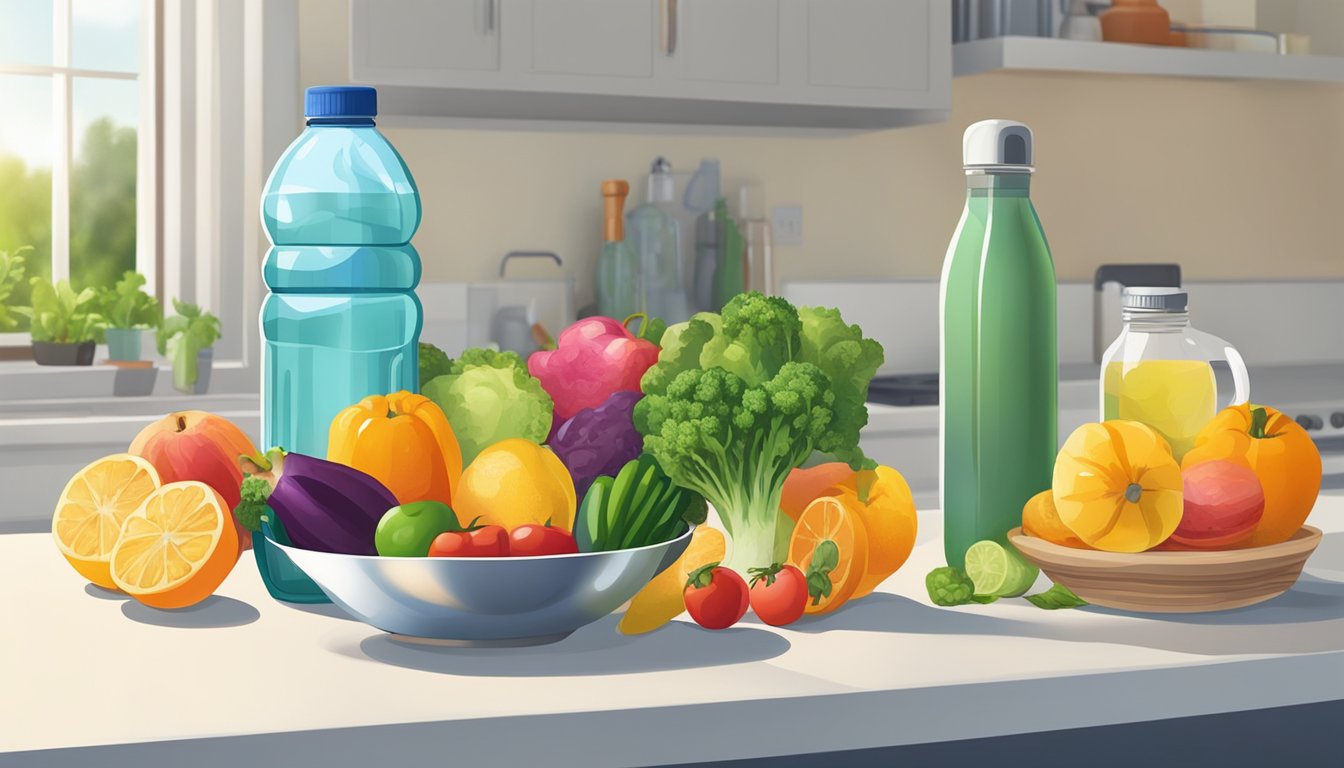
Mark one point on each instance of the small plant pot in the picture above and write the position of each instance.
(205, 360)
(50, 353)
(123, 344)
(134, 382)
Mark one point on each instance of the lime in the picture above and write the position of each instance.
(998, 570)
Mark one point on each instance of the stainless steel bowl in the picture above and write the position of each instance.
(485, 601)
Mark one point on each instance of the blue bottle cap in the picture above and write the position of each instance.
(340, 101)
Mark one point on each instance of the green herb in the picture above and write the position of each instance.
(255, 491)
(182, 337)
(61, 316)
(949, 586)
(1055, 598)
(824, 560)
(126, 305)
(11, 275)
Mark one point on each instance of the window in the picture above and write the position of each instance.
(77, 160)
(210, 90)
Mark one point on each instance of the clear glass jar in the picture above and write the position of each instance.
(1166, 374)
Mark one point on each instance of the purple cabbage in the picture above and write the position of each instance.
(323, 505)
(598, 441)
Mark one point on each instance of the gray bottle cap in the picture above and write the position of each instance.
(1156, 299)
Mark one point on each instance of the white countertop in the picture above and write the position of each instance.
(242, 677)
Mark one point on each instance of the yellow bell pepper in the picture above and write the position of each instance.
(404, 441)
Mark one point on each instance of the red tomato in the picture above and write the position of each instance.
(532, 539)
(486, 541)
(778, 594)
(715, 597)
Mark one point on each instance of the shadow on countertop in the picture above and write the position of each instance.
(1309, 618)
(211, 613)
(93, 590)
(597, 649)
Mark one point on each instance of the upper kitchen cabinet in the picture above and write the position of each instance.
(793, 63)
(424, 39)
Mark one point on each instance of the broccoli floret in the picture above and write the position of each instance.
(433, 362)
(949, 586)
(738, 400)
(255, 491)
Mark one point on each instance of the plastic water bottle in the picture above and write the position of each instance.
(1000, 367)
(341, 321)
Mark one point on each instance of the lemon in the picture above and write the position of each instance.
(89, 513)
(515, 482)
(998, 570)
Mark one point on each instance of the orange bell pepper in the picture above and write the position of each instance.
(404, 441)
(1278, 451)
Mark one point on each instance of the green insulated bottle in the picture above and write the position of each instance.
(1000, 369)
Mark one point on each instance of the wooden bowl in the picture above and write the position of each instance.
(1173, 582)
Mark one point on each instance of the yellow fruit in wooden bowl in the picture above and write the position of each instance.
(1041, 519)
(1117, 487)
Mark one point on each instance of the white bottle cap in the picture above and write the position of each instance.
(997, 145)
(662, 185)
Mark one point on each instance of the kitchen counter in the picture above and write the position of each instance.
(88, 676)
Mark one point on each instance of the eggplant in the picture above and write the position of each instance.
(322, 505)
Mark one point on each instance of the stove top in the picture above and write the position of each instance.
(904, 389)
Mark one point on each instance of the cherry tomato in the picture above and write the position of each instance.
(716, 597)
(533, 539)
(486, 541)
(778, 594)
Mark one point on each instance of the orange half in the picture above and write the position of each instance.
(91, 509)
(176, 548)
(828, 519)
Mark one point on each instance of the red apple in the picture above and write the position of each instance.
(195, 445)
(1223, 505)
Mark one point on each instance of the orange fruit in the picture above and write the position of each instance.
(888, 518)
(515, 482)
(177, 547)
(1041, 519)
(804, 485)
(1280, 453)
(828, 522)
(89, 513)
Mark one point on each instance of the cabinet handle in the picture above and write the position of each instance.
(669, 26)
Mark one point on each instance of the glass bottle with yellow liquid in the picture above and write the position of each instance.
(1166, 374)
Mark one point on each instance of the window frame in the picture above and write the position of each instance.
(148, 260)
(228, 103)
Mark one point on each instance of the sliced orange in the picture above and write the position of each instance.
(889, 520)
(93, 505)
(177, 547)
(827, 519)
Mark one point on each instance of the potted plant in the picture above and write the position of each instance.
(63, 324)
(11, 274)
(186, 339)
(129, 311)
